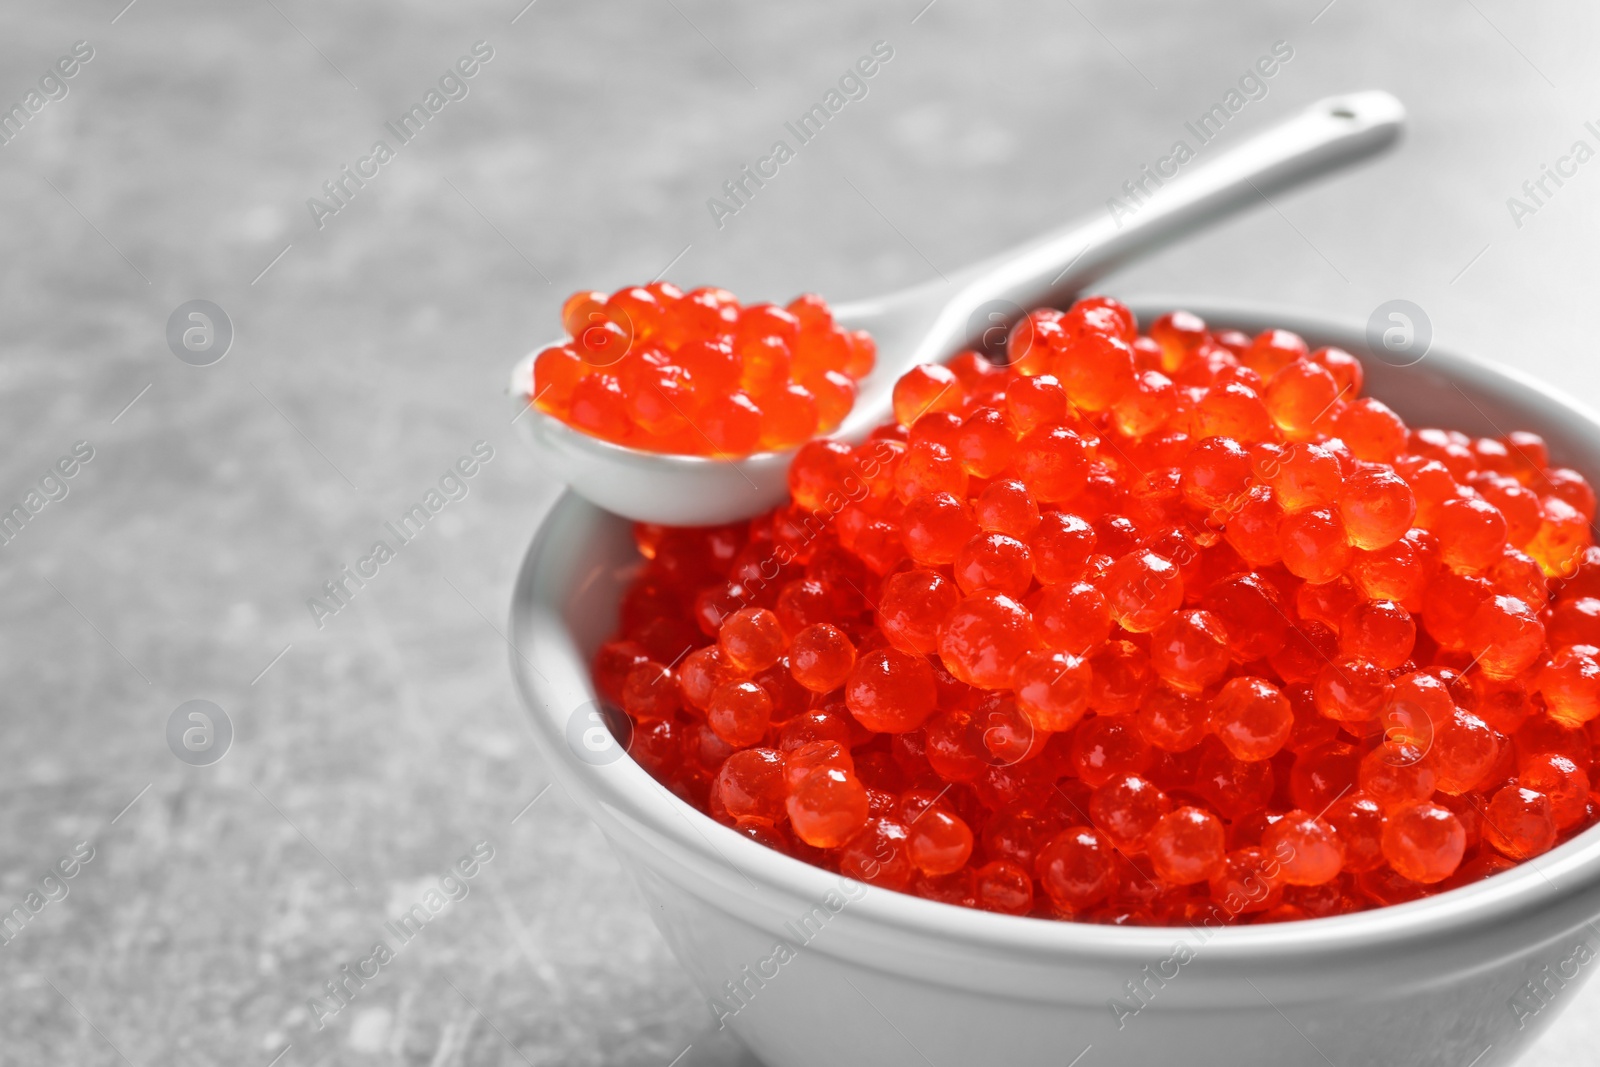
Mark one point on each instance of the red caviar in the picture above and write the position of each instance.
(1162, 630)
(698, 373)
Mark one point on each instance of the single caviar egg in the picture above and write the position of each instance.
(1465, 751)
(651, 692)
(1360, 822)
(1060, 547)
(983, 637)
(1004, 887)
(1142, 588)
(1345, 368)
(1305, 476)
(935, 528)
(1052, 689)
(1034, 402)
(699, 674)
(913, 606)
(877, 855)
(807, 756)
(1351, 690)
(1216, 472)
(750, 784)
(1127, 808)
(821, 657)
(994, 561)
(891, 691)
(1071, 618)
(939, 842)
(1247, 883)
(1299, 394)
(1378, 631)
(1506, 635)
(1189, 650)
(1171, 720)
(926, 388)
(1106, 746)
(1376, 507)
(928, 467)
(751, 639)
(983, 444)
(1570, 684)
(822, 471)
(1424, 842)
(1396, 775)
(1251, 615)
(1095, 369)
(1314, 544)
(1308, 848)
(828, 808)
(1560, 779)
(1179, 335)
(1520, 823)
(1077, 868)
(1186, 846)
(739, 712)
(1252, 718)
(1272, 351)
(1054, 462)
(1472, 533)
(1373, 432)
(1119, 677)
(1008, 508)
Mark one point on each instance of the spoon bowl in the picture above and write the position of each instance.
(929, 323)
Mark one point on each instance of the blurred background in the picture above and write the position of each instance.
(373, 748)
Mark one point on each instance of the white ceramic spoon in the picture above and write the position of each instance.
(931, 322)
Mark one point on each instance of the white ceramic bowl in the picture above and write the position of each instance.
(836, 973)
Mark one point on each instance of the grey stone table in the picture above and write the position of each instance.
(375, 746)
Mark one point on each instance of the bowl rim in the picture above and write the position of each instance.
(627, 790)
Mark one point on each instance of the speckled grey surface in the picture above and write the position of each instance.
(370, 356)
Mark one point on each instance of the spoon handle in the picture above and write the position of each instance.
(1331, 134)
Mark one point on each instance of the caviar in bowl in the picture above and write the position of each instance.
(807, 967)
